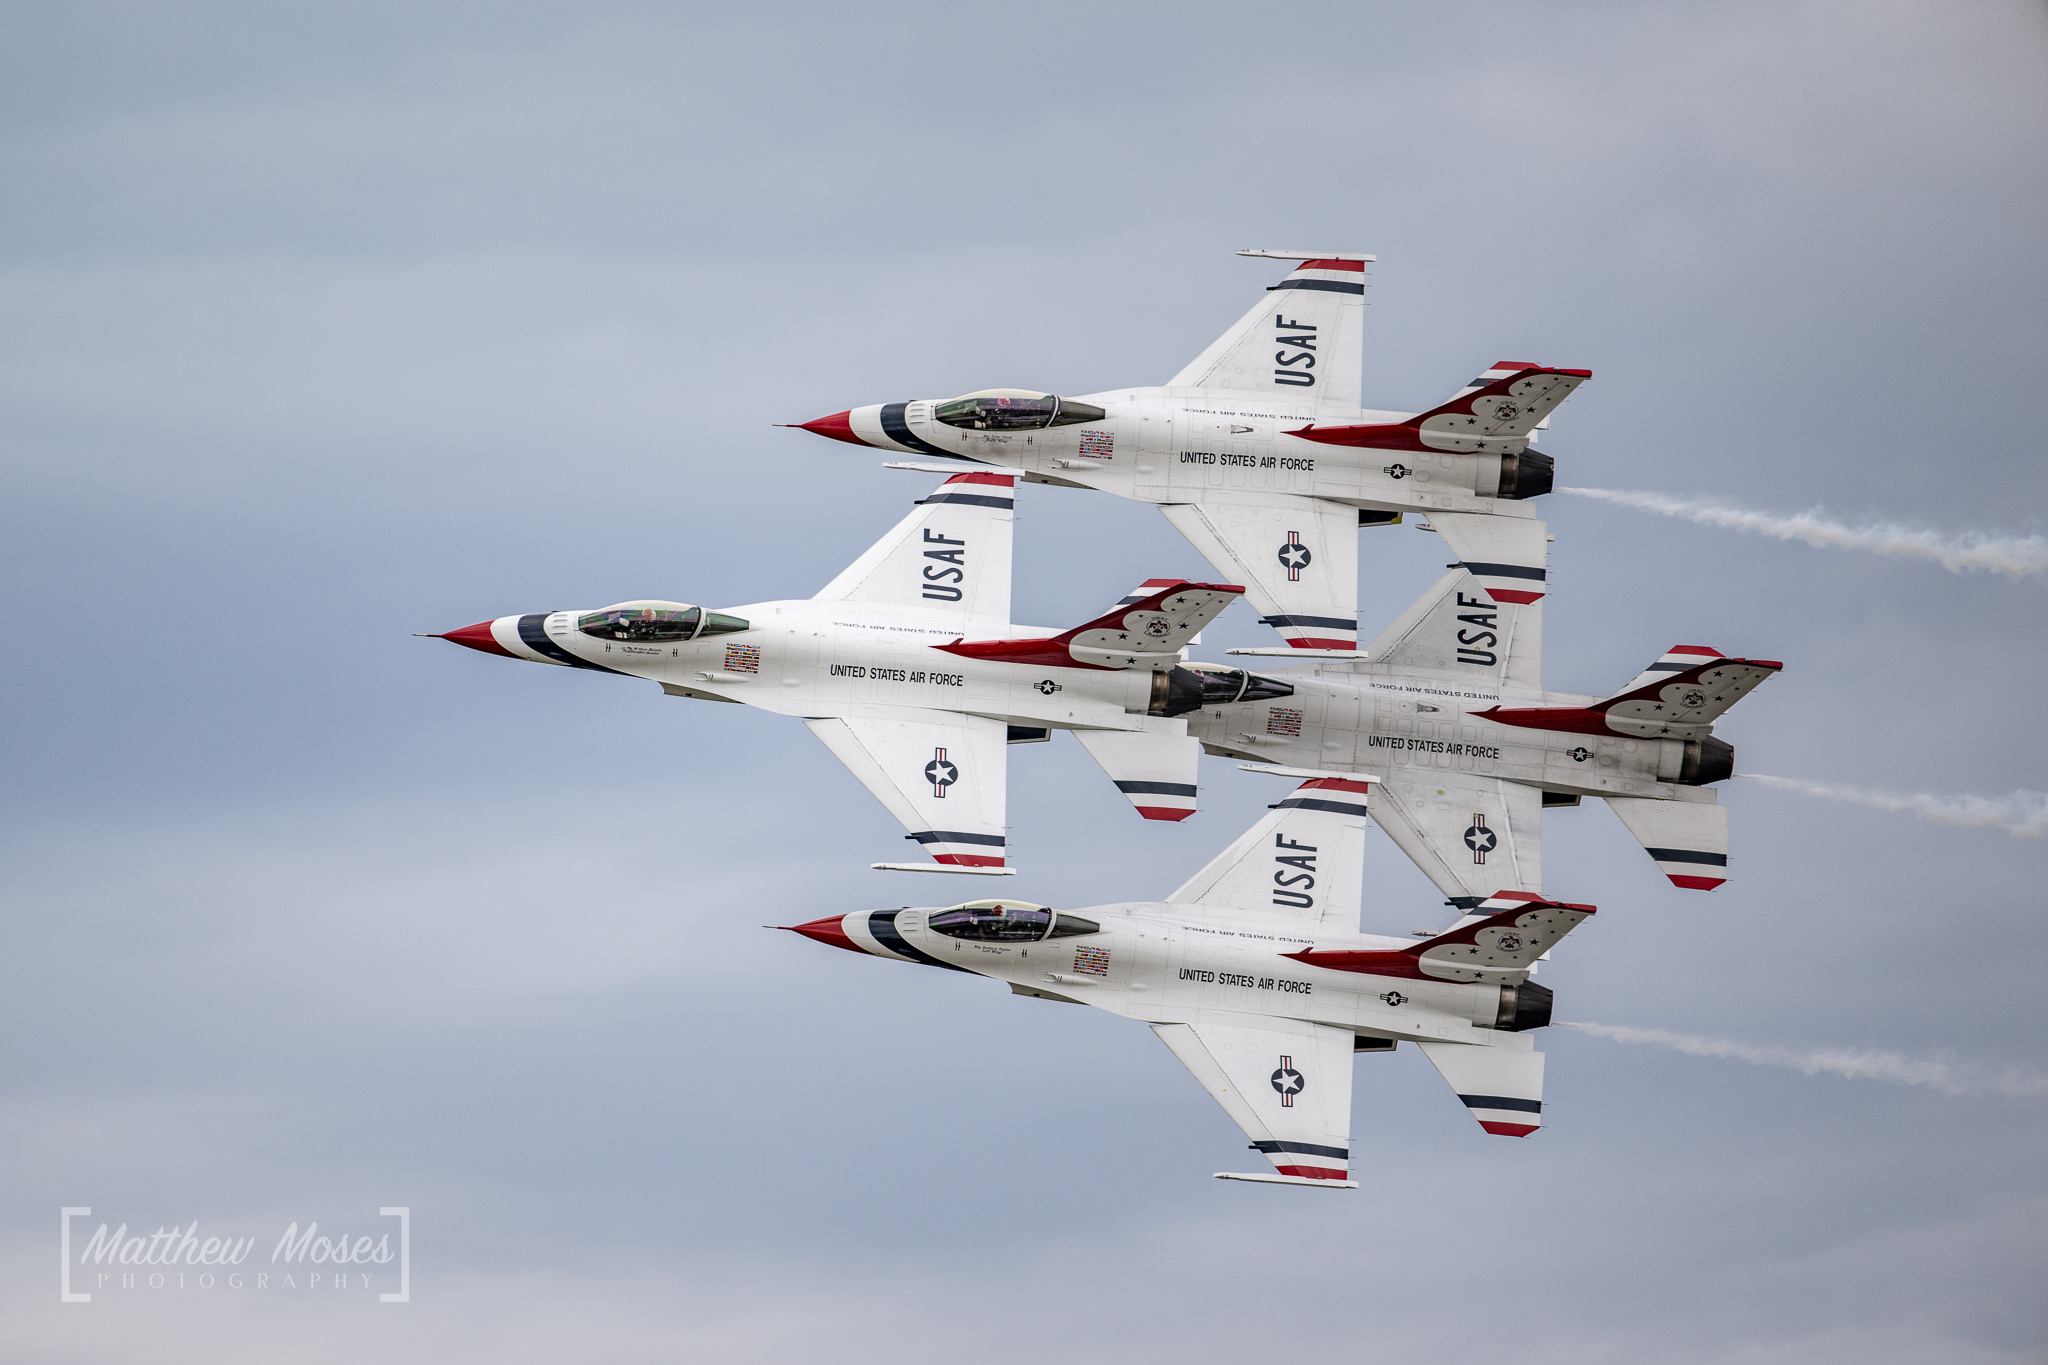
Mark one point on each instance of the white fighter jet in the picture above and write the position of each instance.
(1259, 451)
(1255, 975)
(1448, 702)
(907, 666)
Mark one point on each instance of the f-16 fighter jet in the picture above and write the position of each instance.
(1449, 704)
(1255, 975)
(1258, 451)
(907, 667)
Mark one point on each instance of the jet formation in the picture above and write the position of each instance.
(909, 670)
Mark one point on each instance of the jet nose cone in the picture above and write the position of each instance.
(831, 930)
(839, 426)
(478, 637)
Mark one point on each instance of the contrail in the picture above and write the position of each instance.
(2015, 555)
(2023, 814)
(1857, 1064)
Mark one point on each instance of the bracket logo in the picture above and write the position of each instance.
(1288, 1082)
(1294, 556)
(940, 773)
(1480, 839)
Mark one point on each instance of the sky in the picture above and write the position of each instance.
(324, 325)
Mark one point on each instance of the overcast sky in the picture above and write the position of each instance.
(323, 325)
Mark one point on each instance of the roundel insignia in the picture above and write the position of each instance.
(1579, 755)
(1394, 999)
(941, 772)
(1294, 556)
(1047, 687)
(1288, 1082)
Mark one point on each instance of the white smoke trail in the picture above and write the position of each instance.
(2015, 555)
(1857, 1064)
(2023, 814)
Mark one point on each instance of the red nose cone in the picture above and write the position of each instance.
(827, 931)
(839, 426)
(479, 637)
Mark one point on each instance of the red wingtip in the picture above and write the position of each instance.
(1694, 883)
(830, 930)
(839, 426)
(478, 637)
(1509, 1129)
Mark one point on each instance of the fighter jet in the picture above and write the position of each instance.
(1254, 974)
(1449, 703)
(907, 667)
(1259, 451)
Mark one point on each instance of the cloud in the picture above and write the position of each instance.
(1856, 1064)
(2015, 555)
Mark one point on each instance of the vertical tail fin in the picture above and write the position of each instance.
(1305, 340)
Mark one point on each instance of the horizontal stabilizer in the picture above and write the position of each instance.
(1148, 633)
(1155, 772)
(1681, 705)
(1502, 1087)
(1518, 928)
(1688, 841)
(1496, 417)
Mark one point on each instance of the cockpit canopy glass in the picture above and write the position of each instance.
(1008, 922)
(1221, 686)
(1014, 410)
(648, 622)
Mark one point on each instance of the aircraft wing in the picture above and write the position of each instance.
(1285, 1082)
(1471, 835)
(942, 775)
(950, 558)
(1303, 865)
(1297, 558)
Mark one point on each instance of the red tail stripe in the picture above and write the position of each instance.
(1314, 1172)
(1329, 265)
(1005, 480)
(1336, 784)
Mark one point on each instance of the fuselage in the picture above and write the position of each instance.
(1168, 445)
(1353, 718)
(813, 658)
(1163, 962)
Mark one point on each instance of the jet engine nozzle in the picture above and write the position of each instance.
(1706, 760)
(1527, 474)
(1523, 1007)
(479, 638)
